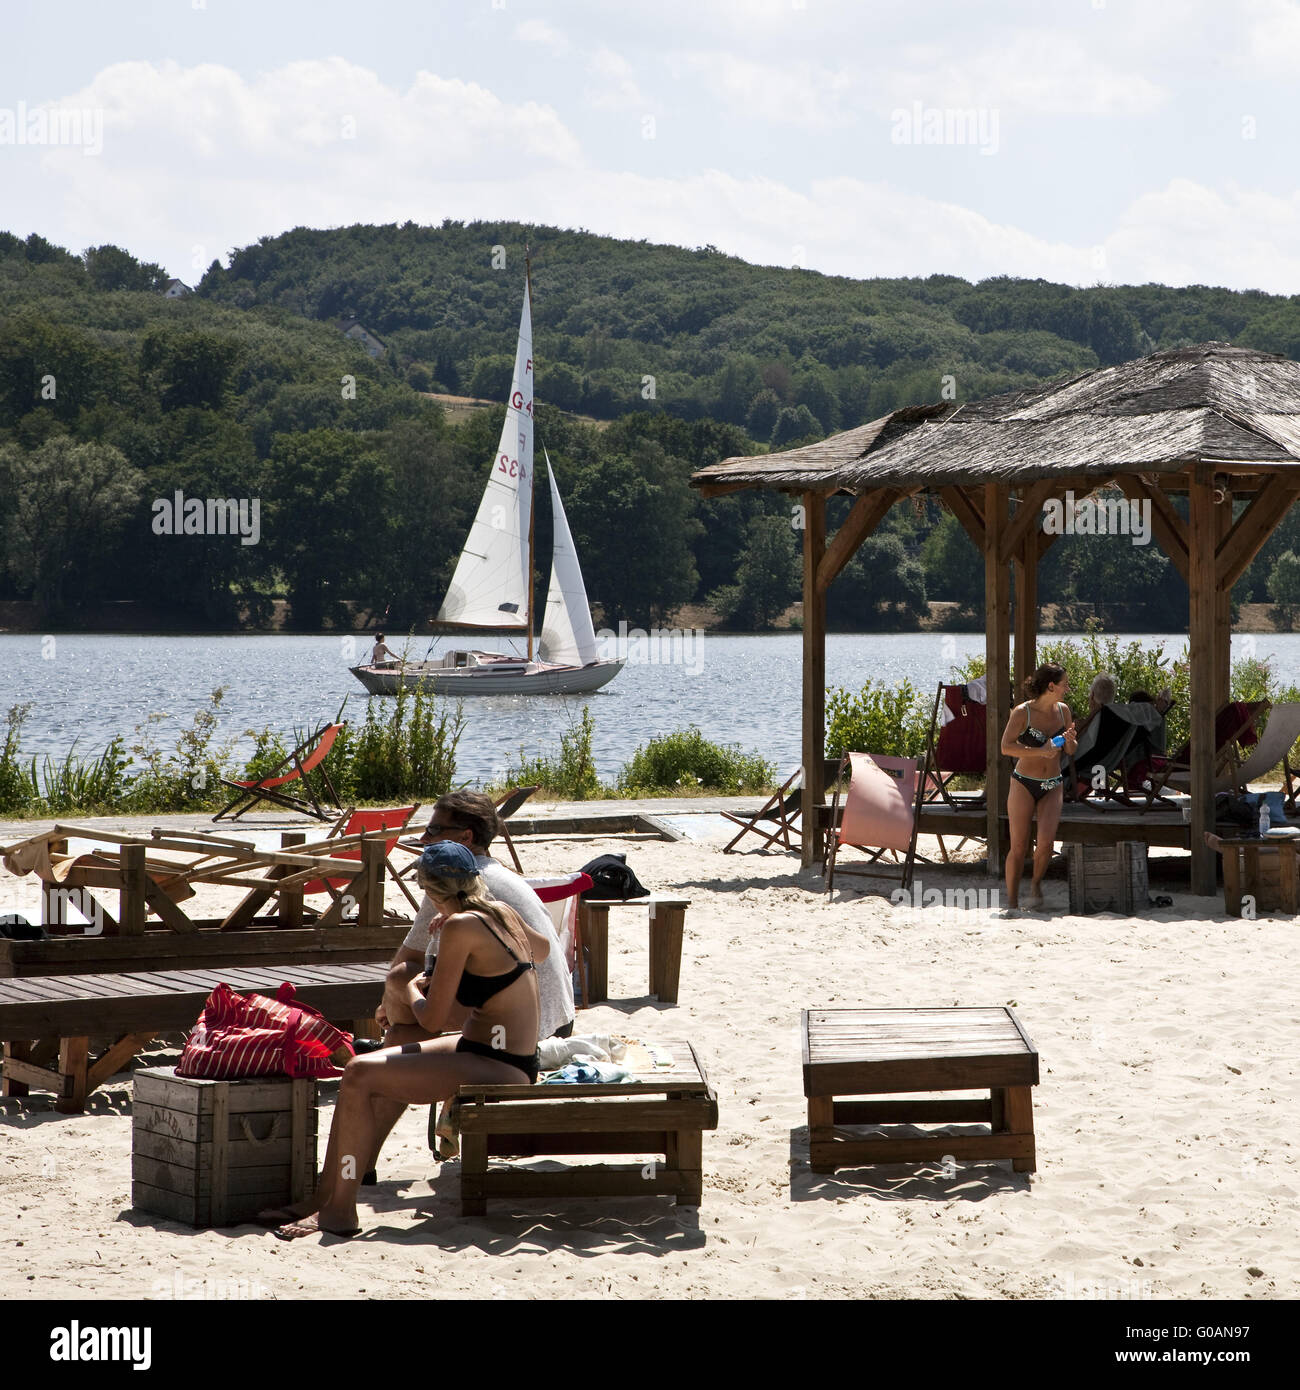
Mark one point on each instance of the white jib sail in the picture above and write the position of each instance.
(567, 635)
(490, 586)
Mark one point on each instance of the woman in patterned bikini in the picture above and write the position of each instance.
(1036, 782)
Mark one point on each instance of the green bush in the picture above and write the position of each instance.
(571, 776)
(188, 778)
(878, 719)
(15, 786)
(687, 759)
(410, 752)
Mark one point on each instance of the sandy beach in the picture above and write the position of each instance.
(1164, 1117)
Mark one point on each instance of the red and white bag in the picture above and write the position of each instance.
(241, 1036)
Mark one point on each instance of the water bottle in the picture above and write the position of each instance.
(1265, 820)
(1059, 741)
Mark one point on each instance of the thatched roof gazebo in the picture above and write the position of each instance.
(1217, 423)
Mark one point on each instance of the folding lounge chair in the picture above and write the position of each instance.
(782, 810)
(881, 810)
(267, 788)
(1234, 729)
(1274, 747)
(1122, 740)
(956, 747)
(561, 898)
(505, 807)
(363, 823)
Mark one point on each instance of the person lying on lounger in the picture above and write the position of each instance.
(1036, 782)
(486, 963)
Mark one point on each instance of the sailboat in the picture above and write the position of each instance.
(492, 587)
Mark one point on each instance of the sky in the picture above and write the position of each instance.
(1083, 141)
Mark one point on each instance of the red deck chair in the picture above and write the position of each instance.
(1234, 730)
(561, 898)
(505, 807)
(364, 823)
(958, 747)
(267, 788)
(881, 810)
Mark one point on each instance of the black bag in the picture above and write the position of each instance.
(16, 928)
(611, 878)
(1235, 810)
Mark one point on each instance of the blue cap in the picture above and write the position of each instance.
(447, 859)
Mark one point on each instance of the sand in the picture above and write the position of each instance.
(1165, 1124)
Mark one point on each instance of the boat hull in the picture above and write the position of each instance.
(483, 680)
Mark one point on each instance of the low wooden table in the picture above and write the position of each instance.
(667, 927)
(1266, 871)
(667, 1113)
(868, 1052)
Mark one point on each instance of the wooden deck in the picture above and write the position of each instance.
(1082, 824)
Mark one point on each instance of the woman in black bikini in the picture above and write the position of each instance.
(485, 963)
(1036, 782)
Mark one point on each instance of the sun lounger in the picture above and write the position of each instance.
(47, 1022)
(1121, 740)
(307, 757)
(1234, 731)
(781, 810)
(881, 808)
(1274, 747)
(353, 823)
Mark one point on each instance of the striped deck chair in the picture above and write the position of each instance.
(881, 811)
(780, 811)
(308, 756)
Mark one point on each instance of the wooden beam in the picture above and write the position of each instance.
(1166, 525)
(997, 614)
(1253, 527)
(814, 676)
(1203, 539)
(867, 513)
(1026, 618)
(1028, 515)
(1222, 613)
(966, 507)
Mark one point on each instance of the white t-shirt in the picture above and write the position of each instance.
(554, 983)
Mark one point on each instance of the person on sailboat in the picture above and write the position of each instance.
(381, 653)
(486, 965)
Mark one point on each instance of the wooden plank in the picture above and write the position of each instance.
(592, 1118)
(28, 1074)
(971, 1073)
(1028, 517)
(813, 710)
(132, 909)
(1239, 543)
(175, 1206)
(967, 506)
(1026, 611)
(1203, 535)
(72, 1069)
(1167, 526)
(667, 927)
(167, 911)
(868, 511)
(116, 1057)
(843, 1153)
(220, 1100)
(997, 607)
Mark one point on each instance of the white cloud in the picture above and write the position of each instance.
(614, 87)
(202, 157)
(538, 31)
(1271, 42)
(806, 95)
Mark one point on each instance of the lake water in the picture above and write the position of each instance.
(744, 691)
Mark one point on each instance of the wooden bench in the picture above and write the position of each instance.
(46, 1022)
(667, 927)
(869, 1052)
(665, 1114)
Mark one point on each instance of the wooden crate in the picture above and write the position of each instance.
(215, 1153)
(1260, 877)
(1108, 878)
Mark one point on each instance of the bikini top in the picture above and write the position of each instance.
(1035, 738)
(475, 990)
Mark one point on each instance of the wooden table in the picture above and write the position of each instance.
(50, 1019)
(667, 927)
(666, 1113)
(1264, 871)
(870, 1052)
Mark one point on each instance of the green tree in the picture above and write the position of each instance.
(1284, 584)
(192, 369)
(66, 502)
(760, 419)
(879, 587)
(794, 423)
(767, 578)
(111, 268)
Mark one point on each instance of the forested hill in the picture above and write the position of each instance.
(114, 398)
(715, 333)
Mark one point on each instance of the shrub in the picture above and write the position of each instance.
(571, 776)
(15, 786)
(687, 759)
(878, 720)
(411, 752)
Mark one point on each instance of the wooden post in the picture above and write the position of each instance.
(54, 898)
(291, 901)
(1203, 532)
(814, 677)
(132, 907)
(1026, 572)
(370, 909)
(1222, 615)
(997, 634)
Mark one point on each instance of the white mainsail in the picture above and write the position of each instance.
(567, 634)
(490, 586)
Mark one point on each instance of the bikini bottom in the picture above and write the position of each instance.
(527, 1065)
(1038, 787)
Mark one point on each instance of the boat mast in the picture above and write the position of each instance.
(532, 491)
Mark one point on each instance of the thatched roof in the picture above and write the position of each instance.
(1212, 403)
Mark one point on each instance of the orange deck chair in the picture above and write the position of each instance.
(395, 819)
(267, 788)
